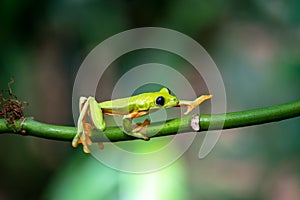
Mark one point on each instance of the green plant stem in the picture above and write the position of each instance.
(170, 127)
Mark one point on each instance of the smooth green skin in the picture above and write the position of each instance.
(133, 107)
(141, 102)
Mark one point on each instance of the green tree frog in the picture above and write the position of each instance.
(130, 108)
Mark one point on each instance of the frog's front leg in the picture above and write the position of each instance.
(138, 130)
(192, 104)
(88, 107)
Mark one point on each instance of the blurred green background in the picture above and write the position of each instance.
(254, 43)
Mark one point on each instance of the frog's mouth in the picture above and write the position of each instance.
(171, 103)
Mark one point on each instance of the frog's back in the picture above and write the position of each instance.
(126, 105)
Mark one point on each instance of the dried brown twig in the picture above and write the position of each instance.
(10, 107)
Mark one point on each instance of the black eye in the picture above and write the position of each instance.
(160, 101)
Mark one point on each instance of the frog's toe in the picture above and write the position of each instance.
(85, 137)
(75, 142)
(86, 149)
(139, 130)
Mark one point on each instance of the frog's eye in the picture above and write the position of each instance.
(160, 101)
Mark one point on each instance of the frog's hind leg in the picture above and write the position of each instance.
(88, 107)
(138, 130)
(141, 127)
(80, 122)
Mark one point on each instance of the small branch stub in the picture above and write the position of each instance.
(195, 123)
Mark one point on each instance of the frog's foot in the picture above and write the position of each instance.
(88, 108)
(141, 129)
(192, 104)
(88, 142)
(85, 138)
(80, 136)
(138, 130)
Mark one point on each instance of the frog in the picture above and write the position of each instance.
(128, 108)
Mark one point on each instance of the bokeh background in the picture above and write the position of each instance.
(254, 43)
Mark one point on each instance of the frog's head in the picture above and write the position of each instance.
(164, 99)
